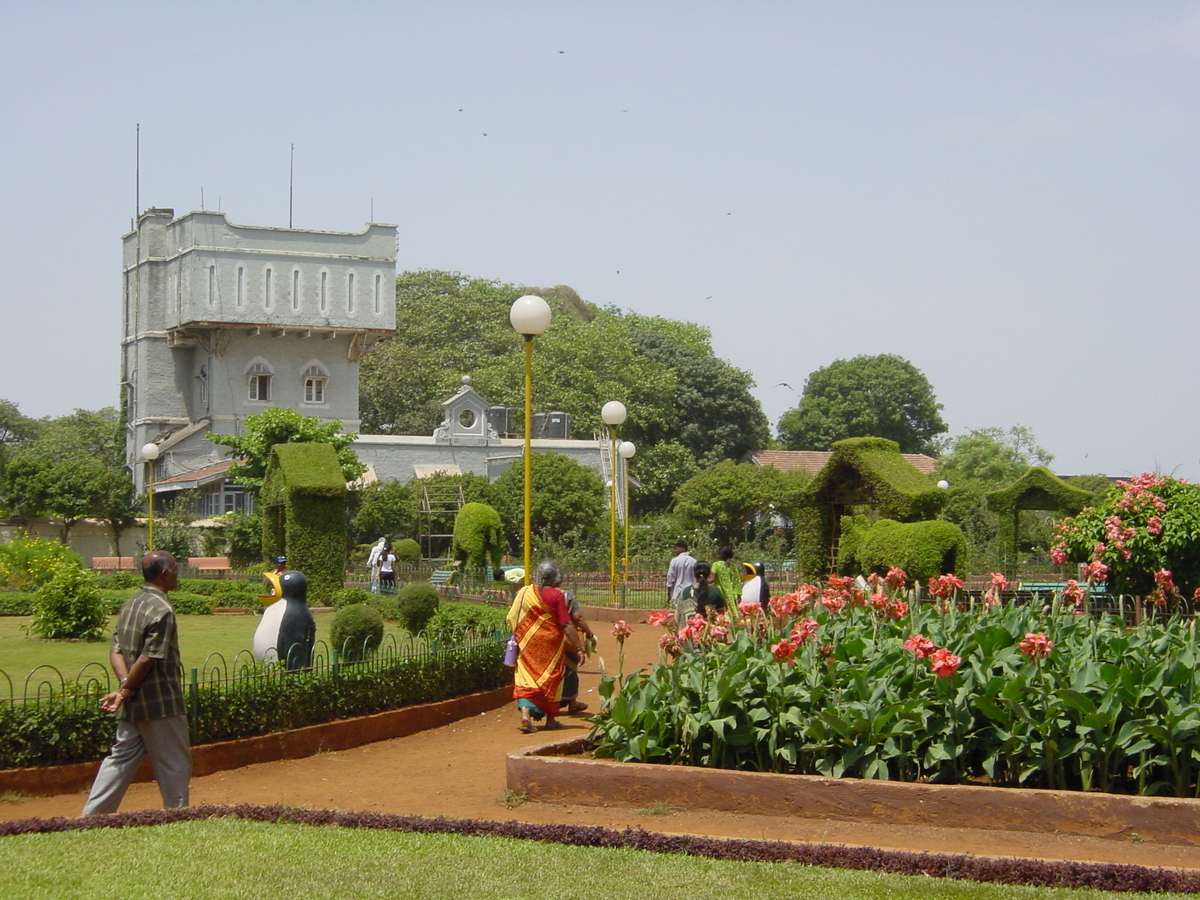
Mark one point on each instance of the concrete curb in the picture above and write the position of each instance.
(557, 773)
(341, 734)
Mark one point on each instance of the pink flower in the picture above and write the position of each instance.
(621, 630)
(896, 610)
(833, 601)
(662, 617)
(920, 645)
(1058, 555)
(896, 578)
(1036, 646)
(941, 587)
(944, 663)
(669, 644)
(785, 606)
(1164, 580)
(999, 582)
(784, 651)
(750, 609)
(1074, 592)
(804, 630)
(1095, 572)
(878, 602)
(1154, 526)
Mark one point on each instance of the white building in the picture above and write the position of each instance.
(223, 321)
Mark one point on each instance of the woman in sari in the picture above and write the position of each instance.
(541, 623)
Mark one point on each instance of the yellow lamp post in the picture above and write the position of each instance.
(530, 316)
(613, 414)
(625, 450)
(150, 454)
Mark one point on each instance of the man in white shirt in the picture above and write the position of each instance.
(373, 563)
(681, 573)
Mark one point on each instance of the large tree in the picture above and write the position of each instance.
(71, 467)
(868, 396)
(568, 498)
(676, 389)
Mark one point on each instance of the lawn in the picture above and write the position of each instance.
(199, 636)
(231, 858)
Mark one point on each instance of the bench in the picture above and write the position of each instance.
(113, 564)
(441, 577)
(216, 564)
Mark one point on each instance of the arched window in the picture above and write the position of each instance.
(269, 289)
(315, 379)
(258, 383)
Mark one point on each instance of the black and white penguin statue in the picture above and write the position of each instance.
(287, 631)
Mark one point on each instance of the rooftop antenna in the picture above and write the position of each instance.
(372, 209)
(202, 198)
(137, 170)
(291, 181)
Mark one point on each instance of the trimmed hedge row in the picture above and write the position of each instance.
(73, 729)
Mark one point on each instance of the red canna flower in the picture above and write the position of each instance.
(944, 663)
(920, 645)
(1036, 646)
(896, 578)
(662, 617)
(621, 630)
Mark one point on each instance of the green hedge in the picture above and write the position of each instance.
(66, 730)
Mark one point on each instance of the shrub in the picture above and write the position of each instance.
(407, 550)
(236, 593)
(69, 606)
(349, 596)
(478, 536)
(31, 560)
(455, 621)
(415, 605)
(124, 581)
(16, 603)
(356, 631)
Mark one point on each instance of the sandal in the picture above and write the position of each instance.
(551, 726)
(527, 729)
(575, 706)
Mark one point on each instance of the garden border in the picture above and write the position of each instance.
(556, 773)
(340, 734)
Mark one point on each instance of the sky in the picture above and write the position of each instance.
(1007, 194)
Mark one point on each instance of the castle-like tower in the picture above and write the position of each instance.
(223, 321)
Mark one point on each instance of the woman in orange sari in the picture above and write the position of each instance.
(541, 623)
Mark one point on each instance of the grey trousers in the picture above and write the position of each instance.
(166, 742)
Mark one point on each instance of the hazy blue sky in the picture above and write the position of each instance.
(1005, 193)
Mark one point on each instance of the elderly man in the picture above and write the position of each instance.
(149, 703)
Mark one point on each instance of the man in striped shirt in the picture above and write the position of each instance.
(149, 703)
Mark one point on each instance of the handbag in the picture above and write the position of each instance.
(511, 650)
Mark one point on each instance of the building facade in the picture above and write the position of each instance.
(223, 321)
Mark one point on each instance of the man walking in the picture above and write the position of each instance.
(680, 573)
(149, 703)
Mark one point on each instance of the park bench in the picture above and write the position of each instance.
(113, 564)
(215, 564)
(441, 579)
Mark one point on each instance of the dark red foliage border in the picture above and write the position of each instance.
(1033, 872)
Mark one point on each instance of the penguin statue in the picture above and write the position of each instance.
(287, 630)
(755, 588)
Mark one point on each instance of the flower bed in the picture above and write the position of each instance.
(841, 681)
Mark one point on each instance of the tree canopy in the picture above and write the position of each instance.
(568, 498)
(283, 426)
(867, 396)
(665, 372)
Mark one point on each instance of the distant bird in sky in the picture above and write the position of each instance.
(786, 385)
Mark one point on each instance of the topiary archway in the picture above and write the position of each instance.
(860, 472)
(1038, 488)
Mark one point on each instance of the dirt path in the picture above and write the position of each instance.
(458, 771)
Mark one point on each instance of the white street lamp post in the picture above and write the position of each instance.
(626, 450)
(150, 454)
(530, 316)
(613, 414)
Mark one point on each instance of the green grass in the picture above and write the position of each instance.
(229, 858)
(198, 637)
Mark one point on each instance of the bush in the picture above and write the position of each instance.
(16, 603)
(69, 606)
(415, 605)
(349, 596)
(33, 561)
(407, 550)
(455, 621)
(236, 593)
(111, 581)
(356, 631)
